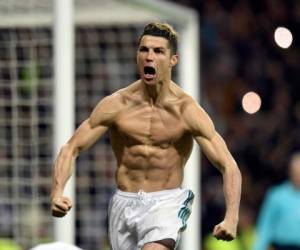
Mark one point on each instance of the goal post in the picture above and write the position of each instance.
(190, 81)
(64, 96)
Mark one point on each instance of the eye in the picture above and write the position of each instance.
(143, 49)
(159, 51)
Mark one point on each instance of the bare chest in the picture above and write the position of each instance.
(150, 125)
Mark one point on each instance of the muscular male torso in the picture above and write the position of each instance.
(151, 141)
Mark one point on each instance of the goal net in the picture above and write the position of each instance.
(106, 37)
(25, 127)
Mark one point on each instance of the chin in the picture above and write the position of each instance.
(150, 82)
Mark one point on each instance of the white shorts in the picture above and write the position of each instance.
(139, 218)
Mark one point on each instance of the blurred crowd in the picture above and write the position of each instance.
(239, 54)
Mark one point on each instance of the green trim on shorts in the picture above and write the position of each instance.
(184, 212)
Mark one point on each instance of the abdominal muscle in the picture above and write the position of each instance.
(150, 168)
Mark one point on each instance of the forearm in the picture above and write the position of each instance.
(232, 181)
(62, 170)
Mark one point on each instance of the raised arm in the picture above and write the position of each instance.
(215, 149)
(85, 136)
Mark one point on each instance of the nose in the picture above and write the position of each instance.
(150, 55)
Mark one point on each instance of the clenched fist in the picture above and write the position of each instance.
(60, 206)
(225, 231)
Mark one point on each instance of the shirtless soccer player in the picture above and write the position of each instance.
(152, 123)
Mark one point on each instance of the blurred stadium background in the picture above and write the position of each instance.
(238, 55)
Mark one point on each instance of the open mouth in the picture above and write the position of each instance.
(149, 72)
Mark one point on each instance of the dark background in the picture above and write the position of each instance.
(239, 54)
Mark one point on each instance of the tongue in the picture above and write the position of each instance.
(149, 76)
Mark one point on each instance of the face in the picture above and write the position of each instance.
(154, 59)
(295, 170)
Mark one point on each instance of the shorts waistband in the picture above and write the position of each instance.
(157, 194)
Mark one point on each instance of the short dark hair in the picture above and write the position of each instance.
(162, 30)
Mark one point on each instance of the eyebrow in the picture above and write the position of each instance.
(145, 47)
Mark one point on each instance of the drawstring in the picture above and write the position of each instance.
(145, 198)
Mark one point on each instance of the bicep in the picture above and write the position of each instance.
(86, 135)
(102, 117)
(209, 140)
(215, 149)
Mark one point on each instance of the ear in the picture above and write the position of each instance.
(174, 60)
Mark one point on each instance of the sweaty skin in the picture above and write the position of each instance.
(152, 124)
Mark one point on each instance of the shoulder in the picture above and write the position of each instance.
(186, 101)
(116, 99)
(108, 108)
(195, 117)
(276, 193)
(108, 104)
(282, 187)
(128, 93)
(180, 98)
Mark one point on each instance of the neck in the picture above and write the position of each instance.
(155, 93)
